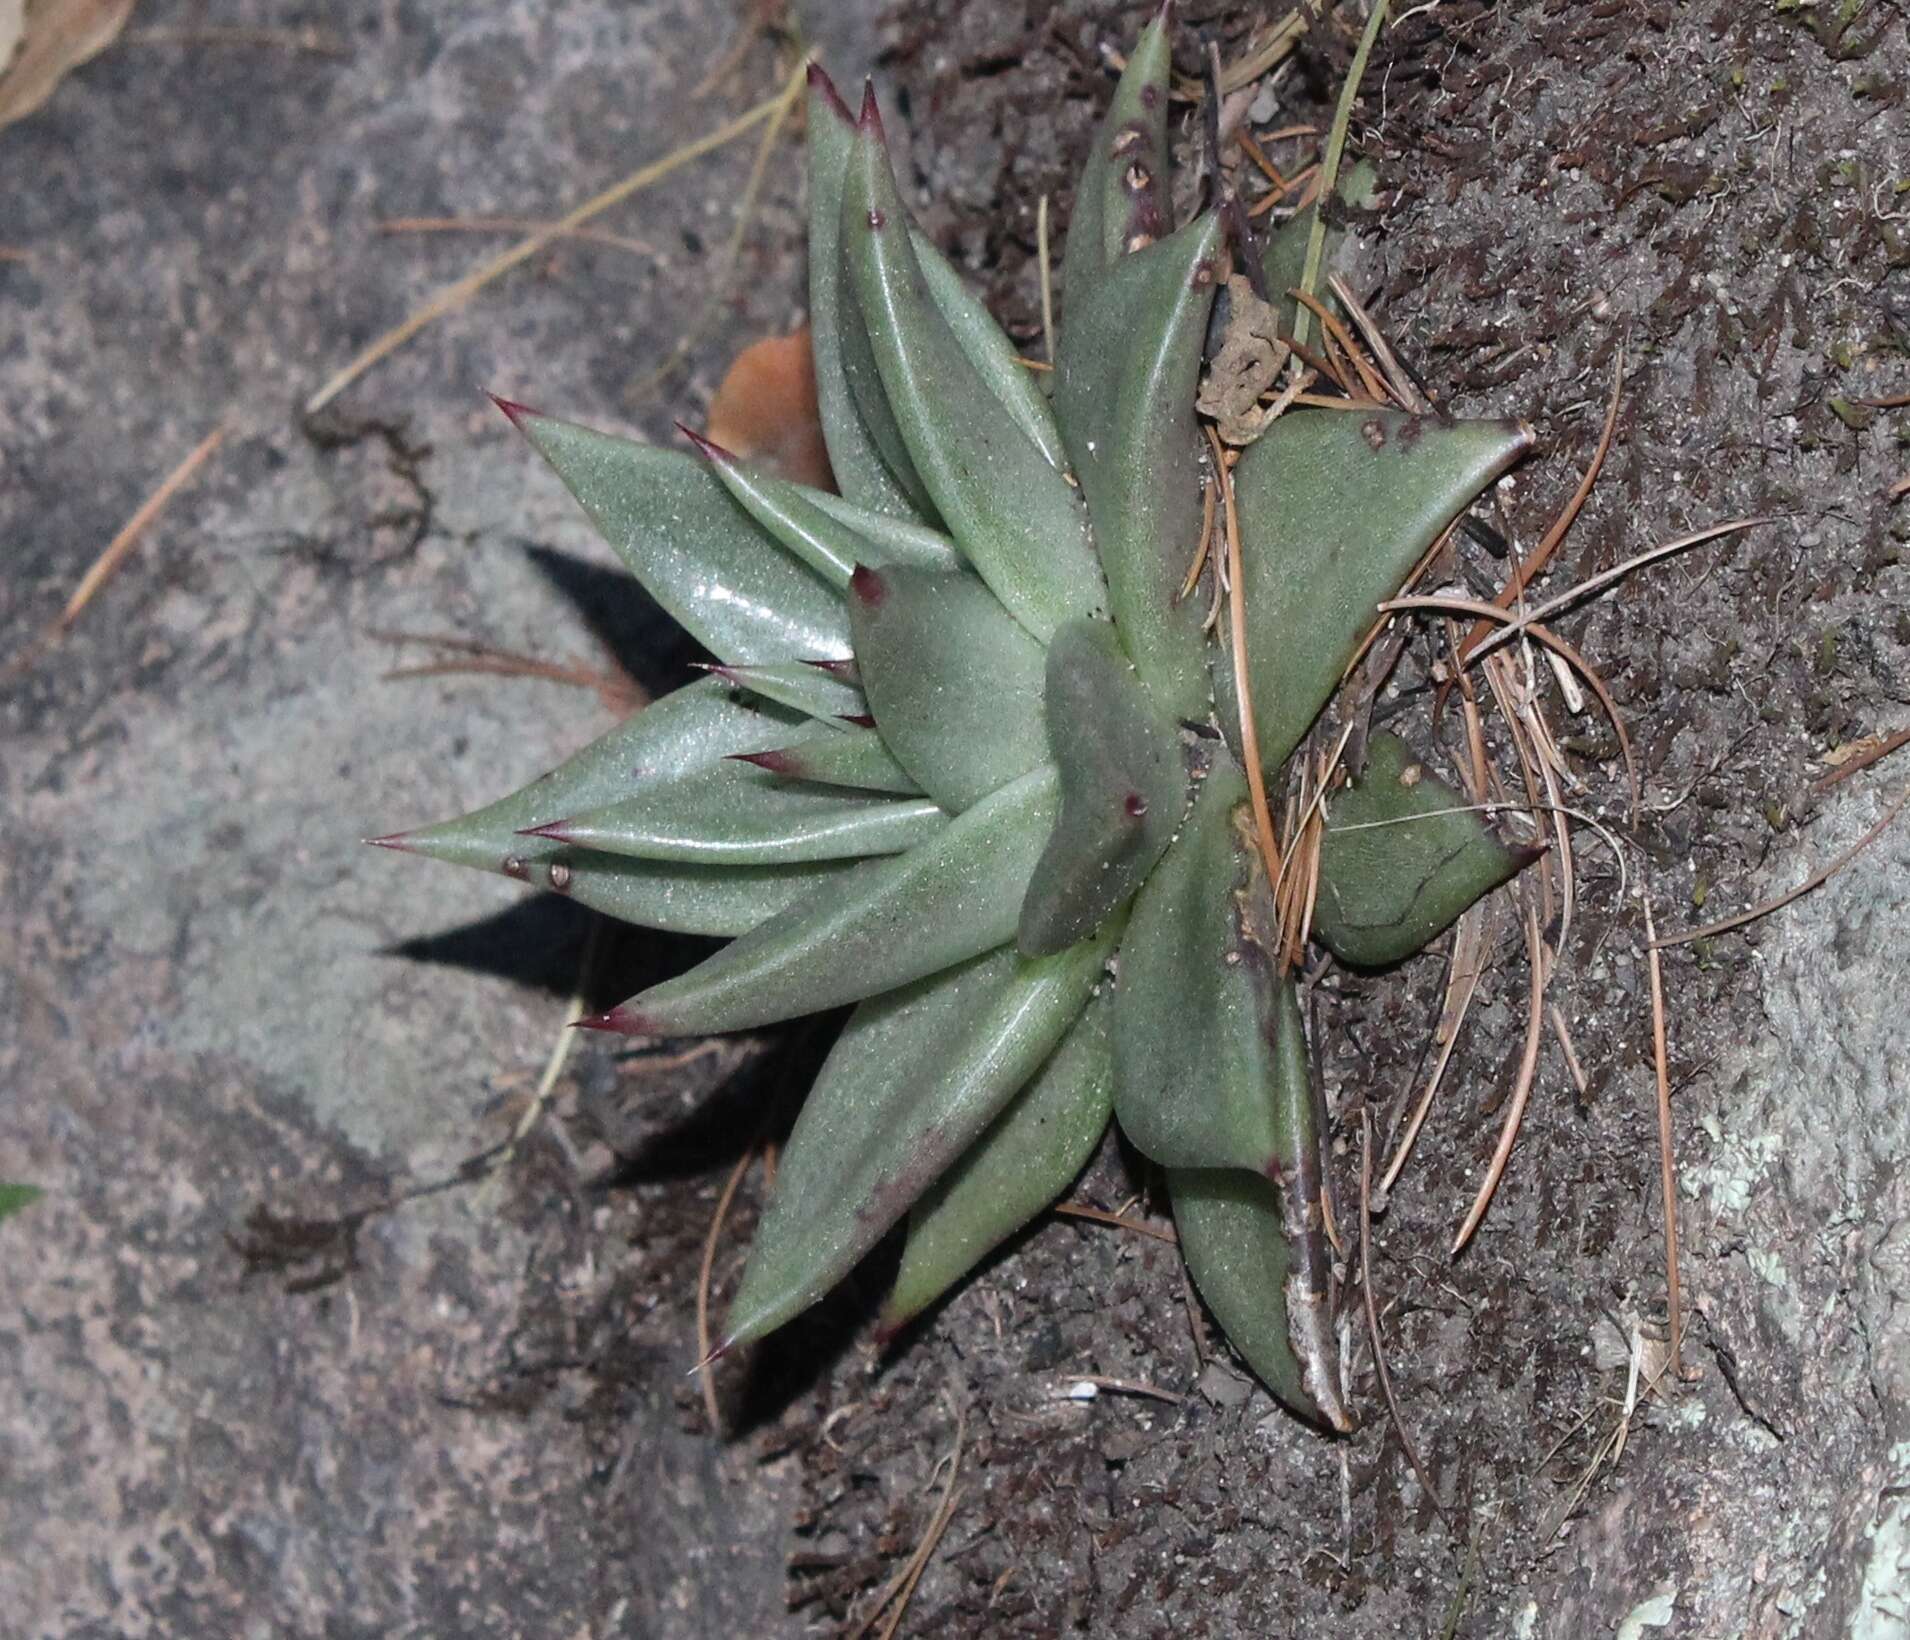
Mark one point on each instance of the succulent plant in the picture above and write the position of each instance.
(970, 761)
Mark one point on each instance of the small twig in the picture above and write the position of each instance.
(1667, 1163)
(705, 1351)
(455, 295)
(1047, 279)
(1815, 880)
(901, 1588)
(1100, 1215)
(1123, 1386)
(1521, 1089)
(1372, 1314)
(514, 224)
(1237, 626)
(1871, 754)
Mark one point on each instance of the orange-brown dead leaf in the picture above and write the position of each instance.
(766, 410)
(49, 38)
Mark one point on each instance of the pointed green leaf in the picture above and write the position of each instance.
(1284, 258)
(1256, 1243)
(740, 814)
(989, 350)
(1194, 1008)
(1335, 509)
(1028, 1157)
(724, 901)
(814, 527)
(1126, 374)
(1123, 788)
(886, 924)
(954, 683)
(1016, 518)
(688, 729)
(856, 758)
(698, 553)
(1401, 859)
(814, 691)
(861, 473)
(14, 1197)
(915, 1078)
(1121, 201)
(1234, 1241)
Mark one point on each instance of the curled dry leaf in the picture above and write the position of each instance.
(41, 40)
(1249, 361)
(765, 410)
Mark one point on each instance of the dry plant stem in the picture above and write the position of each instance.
(1372, 1312)
(901, 1588)
(1815, 880)
(310, 41)
(121, 546)
(784, 105)
(1874, 754)
(1466, 969)
(1100, 1215)
(1536, 560)
(1522, 1088)
(1209, 496)
(1330, 163)
(1338, 334)
(1401, 384)
(1237, 619)
(706, 1373)
(1667, 1164)
(1125, 1386)
(514, 224)
(1047, 280)
(455, 295)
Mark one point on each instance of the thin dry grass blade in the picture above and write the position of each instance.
(1667, 1164)
(455, 295)
(1871, 754)
(1522, 1088)
(1465, 969)
(706, 1353)
(1100, 1215)
(1815, 880)
(120, 547)
(514, 224)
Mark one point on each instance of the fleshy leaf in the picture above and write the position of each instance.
(1123, 787)
(915, 1078)
(737, 814)
(692, 728)
(989, 350)
(885, 924)
(1027, 1158)
(856, 758)
(1336, 508)
(1126, 373)
(861, 472)
(1284, 258)
(815, 691)
(1016, 518)
(954, 683)
(812, 525)
(1194, 1008)
(1256, 1244)
(698, 553)
(1401, 859)
(1121, 199)
(1235, 1245)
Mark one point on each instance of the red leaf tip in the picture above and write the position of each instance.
(399, 840)
(824, 87)
(512, 409)
(619, 1020)
(709, 449)
(778, 762)
(870, 119)
(867, 584)
(557, 830)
